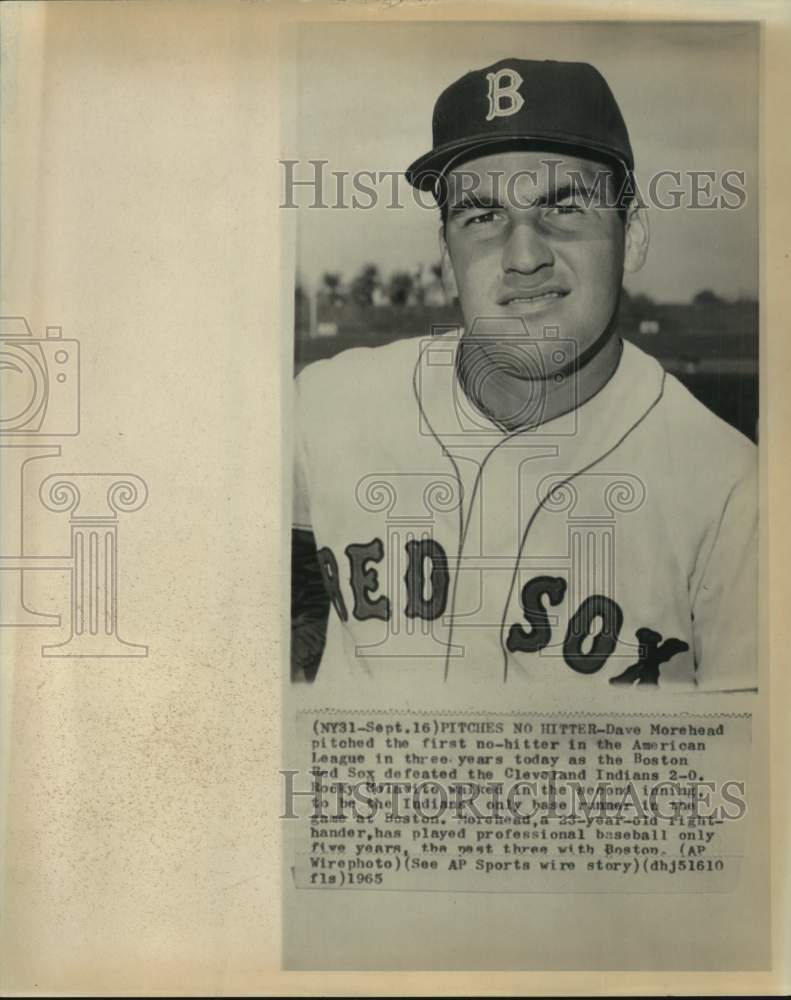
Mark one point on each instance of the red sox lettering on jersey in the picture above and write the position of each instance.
(582, 551)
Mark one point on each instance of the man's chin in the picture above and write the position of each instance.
(520, 357)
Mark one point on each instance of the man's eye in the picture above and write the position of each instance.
(481, 218)
(566, 209)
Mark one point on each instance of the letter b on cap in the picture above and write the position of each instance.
(504, 96)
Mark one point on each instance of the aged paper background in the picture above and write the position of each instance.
(140, 190)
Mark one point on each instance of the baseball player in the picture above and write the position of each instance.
(529, 500)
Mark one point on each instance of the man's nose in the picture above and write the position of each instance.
(526, 250)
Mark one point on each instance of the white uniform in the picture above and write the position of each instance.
(614, 545)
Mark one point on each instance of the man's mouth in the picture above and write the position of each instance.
(536, 297)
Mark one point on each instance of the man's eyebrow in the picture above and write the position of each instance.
(563, 191)
(470, 200)
(576, 187)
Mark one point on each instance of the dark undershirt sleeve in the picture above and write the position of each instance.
(310, 606)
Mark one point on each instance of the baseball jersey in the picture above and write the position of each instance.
(613, 545)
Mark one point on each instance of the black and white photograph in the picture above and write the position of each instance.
(526, 357)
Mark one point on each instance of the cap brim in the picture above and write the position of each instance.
(427, 169)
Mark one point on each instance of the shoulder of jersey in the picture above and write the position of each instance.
(704, 438)
(363, 373)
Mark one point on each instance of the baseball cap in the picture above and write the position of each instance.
(515, 101)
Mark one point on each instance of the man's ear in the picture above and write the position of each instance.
(636, 237)
(448, 277)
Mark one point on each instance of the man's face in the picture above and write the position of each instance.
(527, 244)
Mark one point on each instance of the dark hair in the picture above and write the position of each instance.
(619, 177)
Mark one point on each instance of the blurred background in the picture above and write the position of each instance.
(689, 95)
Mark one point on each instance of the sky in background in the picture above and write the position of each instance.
(689, 95)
